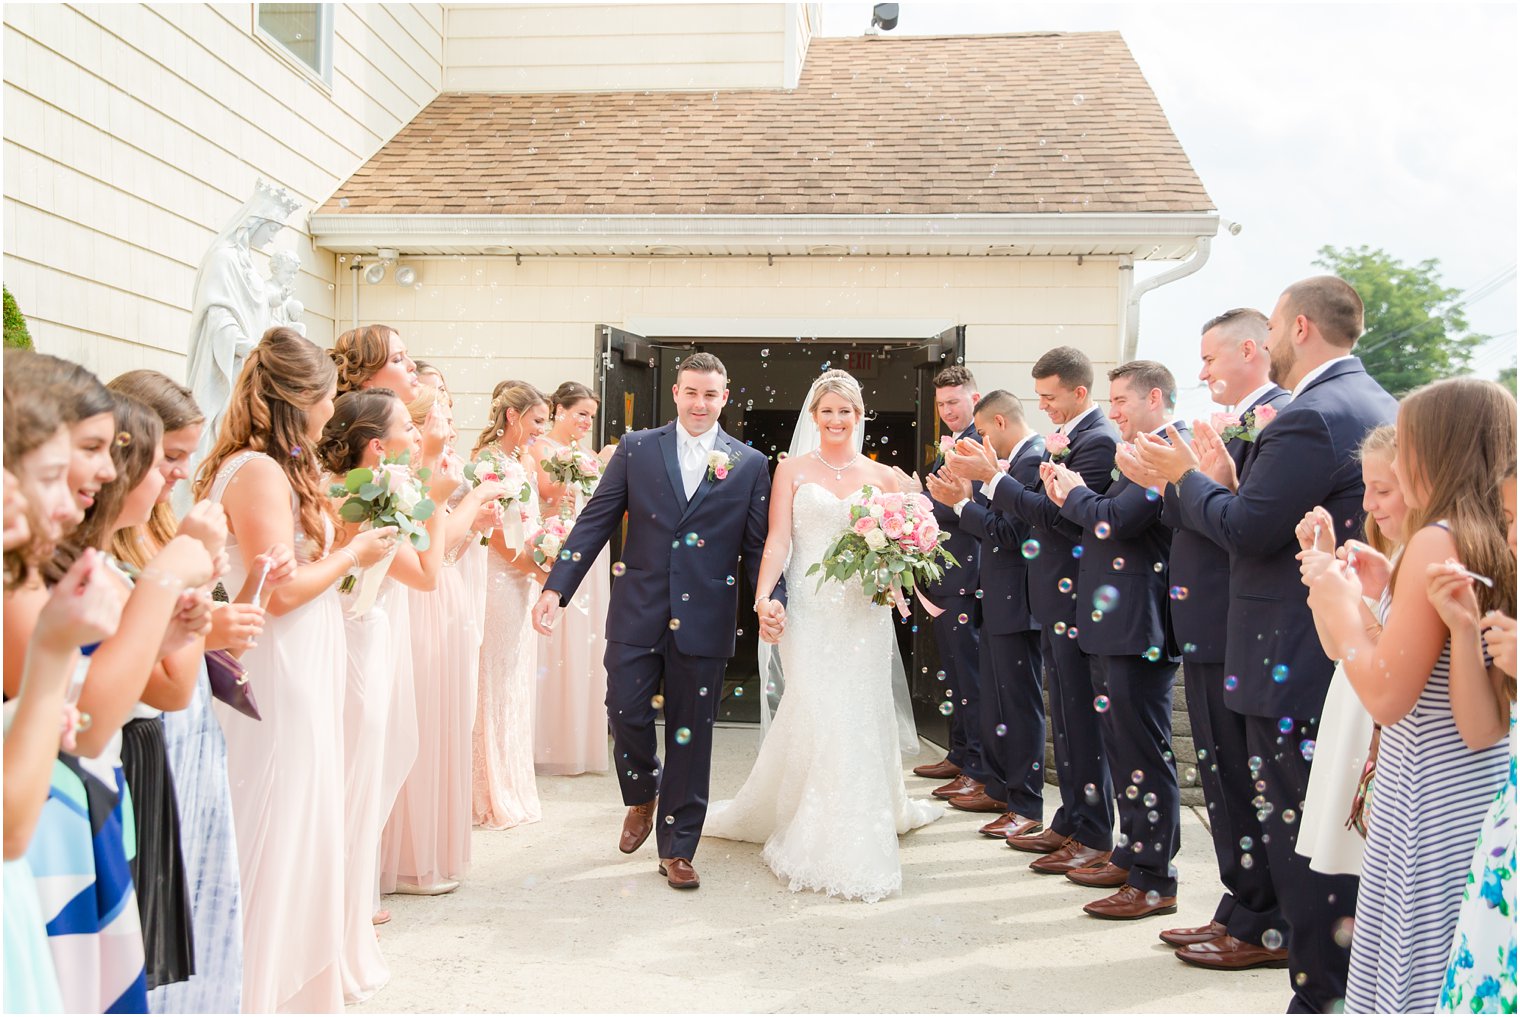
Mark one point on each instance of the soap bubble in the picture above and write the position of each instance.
(1254, 763)
(657, 701)
(947, 708)
(1001, 730)
(1306, 749)
(618, 568)
(1091, 792)
(1097, 616)
(683, 735)
(1231, 683)
(1076, 552)
(1071, 633)
(1132, 792)
(1152, 898)
(1106, 598)
(1289, 816)
(1030, 549)
(1118, 564)
(1102, 530)
(1285, 724)
(1137, 777)
(1246, 843)
(1150, 800)
(675, 623)
(1058, 628)
(1101, 704)
(939, 676)
(691, 540)
(1280, 673)
(1343, 932)
(1178, 593)
(1153, 653)
(1272, 939)
(963, 618)
(1064, 585)
(1156, 567)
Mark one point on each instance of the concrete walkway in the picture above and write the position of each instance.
(553, 918)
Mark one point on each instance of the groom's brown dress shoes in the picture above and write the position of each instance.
(942, 770)
(679, 873)
(636, 827)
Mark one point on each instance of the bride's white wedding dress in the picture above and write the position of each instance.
(826, 795)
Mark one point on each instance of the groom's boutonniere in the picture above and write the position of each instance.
(719, 463)
(1246, 426)
(1058, 445)
(1123, 446)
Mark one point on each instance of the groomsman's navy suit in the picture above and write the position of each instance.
(1013, 715)
(1306, 457)
(1200, 571)
(1126, 547)
(670, 623)
(957, 640)
(1080, 758)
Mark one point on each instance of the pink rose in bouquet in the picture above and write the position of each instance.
(894, 524)
(925, 506)
(893, 501)
(928, 535)
(571, 467)
(864, 525)
(892, 543)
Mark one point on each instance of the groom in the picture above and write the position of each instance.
(697, 501)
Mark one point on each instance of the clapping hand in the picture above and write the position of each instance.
(972, 460)
(1169, 458)
(1129, 464)
(1062, 482)
(947, 488)
(1213, 458)
(907, 483)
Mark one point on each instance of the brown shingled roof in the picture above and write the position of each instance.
(927, 125)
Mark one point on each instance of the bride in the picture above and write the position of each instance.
(826, 795)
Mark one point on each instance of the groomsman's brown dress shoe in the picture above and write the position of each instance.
(1042, 842)
(1072, 854)
(1129, 904)
(978, 802)
(1196, 934)
(679, 873)
(636, 827)
(1227, 953)
(942, 770)
(962, 785)
(1010, 824)
(1106, 875)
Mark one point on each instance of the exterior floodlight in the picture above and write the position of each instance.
(884, 16)
(406, 275)
(375, 273)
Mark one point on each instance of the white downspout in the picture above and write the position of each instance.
(1131, 338)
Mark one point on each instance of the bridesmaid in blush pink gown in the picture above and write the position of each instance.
(286, 770)
(425, 848)
(368, 426)
(505, 790)
(570, 715)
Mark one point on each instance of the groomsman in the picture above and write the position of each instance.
(1303, 458)
(954, 596)
(1013, 715)
(1081, 834)
(1234, 353)
(1123, 580)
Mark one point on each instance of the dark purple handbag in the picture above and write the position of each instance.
(229, 682)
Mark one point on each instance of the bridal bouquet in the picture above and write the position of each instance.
(549, 541)
(388, 495)
(497, 467)
(893, 543)
(572, 467)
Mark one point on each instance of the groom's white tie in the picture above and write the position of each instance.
(693, 462)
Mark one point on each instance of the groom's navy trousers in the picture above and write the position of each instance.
(670, 623)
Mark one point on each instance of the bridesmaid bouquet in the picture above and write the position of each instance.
(893, 543)
(388, 495)
(548, 542)
(571, 467)
(495, 466)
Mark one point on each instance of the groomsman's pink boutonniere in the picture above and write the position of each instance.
(719, 464)
(1246, 426)
(946, 445)
(1058, 445)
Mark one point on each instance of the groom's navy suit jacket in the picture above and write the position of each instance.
(1305, 457)
(680, 558)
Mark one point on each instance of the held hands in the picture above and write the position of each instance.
(546, 612)
(1499, 638)
(1213, 459)
(772, 619)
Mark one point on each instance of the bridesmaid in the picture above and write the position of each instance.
(366, 427)
(426, 846)
(506, 794)
(287, 770)
(570, 715)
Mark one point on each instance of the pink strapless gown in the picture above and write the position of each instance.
(570, 714)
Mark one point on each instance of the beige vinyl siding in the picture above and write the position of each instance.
(132, 132)
(615, 47)
(482, 319)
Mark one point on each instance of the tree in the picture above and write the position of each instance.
(1507, 378)
(1416, 329)
(16, 333)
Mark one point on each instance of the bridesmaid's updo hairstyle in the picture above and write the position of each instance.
(360, 353)
(286, 374)
(420, 407)
(568, 394)
(135, 452)
(509, 397)
(359, 417)
(840, 383)
(176, 408)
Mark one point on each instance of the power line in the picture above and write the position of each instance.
(1473, 296)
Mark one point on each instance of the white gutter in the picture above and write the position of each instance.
(1131, 338)
(1135, 232)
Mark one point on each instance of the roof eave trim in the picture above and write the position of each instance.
(348, 229)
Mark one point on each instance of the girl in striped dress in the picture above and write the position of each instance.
(1456, 439)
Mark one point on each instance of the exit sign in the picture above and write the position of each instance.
(863, 364)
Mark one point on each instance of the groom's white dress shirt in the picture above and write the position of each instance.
(692, 451)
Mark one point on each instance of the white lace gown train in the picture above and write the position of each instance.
(826, 796)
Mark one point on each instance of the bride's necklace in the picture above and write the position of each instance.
(838, 470)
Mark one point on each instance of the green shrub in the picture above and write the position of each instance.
(15, 325)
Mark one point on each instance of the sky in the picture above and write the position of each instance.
(1391, 125)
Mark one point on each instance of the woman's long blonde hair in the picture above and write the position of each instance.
(1456, 438)
(176, 408)
(1381, 442)
(515, 396)
(286, 374)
